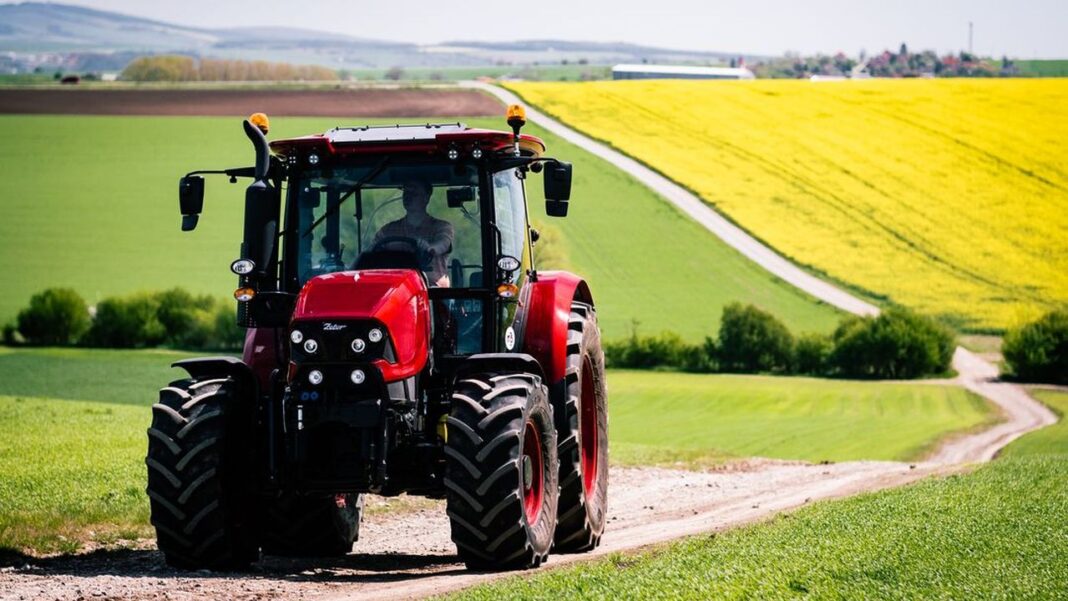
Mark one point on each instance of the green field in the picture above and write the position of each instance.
(569, 72)
(662, 417)
(113, 376)
(91, 203)
(72, 431)
(1043, 68)
(998, 533)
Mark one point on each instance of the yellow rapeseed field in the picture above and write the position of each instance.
(947, 196)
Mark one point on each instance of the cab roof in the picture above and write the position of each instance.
(425, 139)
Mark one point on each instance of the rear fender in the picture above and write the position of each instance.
(544, 320)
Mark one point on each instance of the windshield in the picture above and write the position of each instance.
(405, 215)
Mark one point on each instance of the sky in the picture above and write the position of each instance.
(1021, 28)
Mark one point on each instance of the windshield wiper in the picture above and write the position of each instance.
(378, 169)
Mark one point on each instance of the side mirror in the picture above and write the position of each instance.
(557, 188)
(190, 200)
(456, 197)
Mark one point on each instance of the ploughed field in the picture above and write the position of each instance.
(90, 202)
(73, 421)
(947, 196)
(215, 100)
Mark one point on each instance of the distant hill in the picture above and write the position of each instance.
(35, 28)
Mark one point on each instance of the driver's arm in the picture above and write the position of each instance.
(441, 240)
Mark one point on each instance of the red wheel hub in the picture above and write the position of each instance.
(588, 428)
(533, 473)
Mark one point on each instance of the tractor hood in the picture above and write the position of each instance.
(396, 300)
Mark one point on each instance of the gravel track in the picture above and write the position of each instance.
(410, 555)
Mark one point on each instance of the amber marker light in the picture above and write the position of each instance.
(507, 290)
(244, 294)
(260, 120)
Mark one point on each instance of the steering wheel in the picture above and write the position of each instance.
(418, 247)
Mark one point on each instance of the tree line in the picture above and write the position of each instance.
(186, 68)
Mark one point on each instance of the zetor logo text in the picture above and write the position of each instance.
(333, 327)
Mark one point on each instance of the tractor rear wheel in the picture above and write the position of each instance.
(582, 421)
(198, 476)
(312, 526)
(501, 475)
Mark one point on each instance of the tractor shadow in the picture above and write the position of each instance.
(352, 568)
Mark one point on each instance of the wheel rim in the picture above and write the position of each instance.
(588, 428)
(533, 473)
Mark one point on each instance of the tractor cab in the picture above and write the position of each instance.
(400, 340)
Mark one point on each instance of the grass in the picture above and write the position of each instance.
(945, 196)
(125, 377)
(72, 471)
(998, 533)
(91, 203)
(663, 418)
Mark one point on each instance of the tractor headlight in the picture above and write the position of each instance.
(296, 336)
(310, 346)
(454, 153)
(476, 153)
(374, 335)
(242, 266)
(313, 159)
(358, 376)
(358, 345)
(315, 377)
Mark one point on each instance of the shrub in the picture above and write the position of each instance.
(663, 350)
(11, 335)
(699, 358)
(811, 354)
(896, 344)
(752, 340)
(187, 320)
(1038, 351)
(55, 316)
(127, 322)
(227, 335)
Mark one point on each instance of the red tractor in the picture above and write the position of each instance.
(399, 340)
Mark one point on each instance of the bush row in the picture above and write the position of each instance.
(896, 344)
(175, 318)
(1038, 351)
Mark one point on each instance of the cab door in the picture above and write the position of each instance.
(513, 234)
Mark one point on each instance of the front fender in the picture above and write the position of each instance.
(202, 368)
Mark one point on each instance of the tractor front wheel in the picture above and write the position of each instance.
(501, 475)
(198, 476)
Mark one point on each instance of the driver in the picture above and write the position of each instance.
(433, 235)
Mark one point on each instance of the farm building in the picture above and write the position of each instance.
(679, 72)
